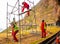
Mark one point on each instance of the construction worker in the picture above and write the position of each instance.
(43, 29)
(57, 40)
(14, 31)
(25, 6)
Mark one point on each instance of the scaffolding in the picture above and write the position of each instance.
(20, 26)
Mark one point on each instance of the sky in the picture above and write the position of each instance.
(3, 11)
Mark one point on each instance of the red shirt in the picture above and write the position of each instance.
(25, 5)
(42, 26)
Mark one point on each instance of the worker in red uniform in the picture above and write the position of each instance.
(25, 6)
(57, 39)
(14, 31)
(43, 29)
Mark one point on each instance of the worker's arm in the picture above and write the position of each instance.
(23, 9)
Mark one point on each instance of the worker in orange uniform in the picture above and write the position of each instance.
(57, 40)
(25, 6)
(43, 29)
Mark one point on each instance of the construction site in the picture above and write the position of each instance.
(29, 28)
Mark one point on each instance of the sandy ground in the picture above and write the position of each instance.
(25, 38)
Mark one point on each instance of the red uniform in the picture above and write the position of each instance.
(25, 5)
(43, 30)
(57, 40)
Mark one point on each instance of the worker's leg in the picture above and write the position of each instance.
(23, 9)
(14, 36)
(12, 32)
(42, 34)
(28, 13)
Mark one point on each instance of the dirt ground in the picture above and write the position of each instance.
(25, 39)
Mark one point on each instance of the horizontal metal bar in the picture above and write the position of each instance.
(12, 6)
(21, 13)
(12, 13)
(15, 10)
(15, 7)
(30, 2)
(26, 11)
(28, 25)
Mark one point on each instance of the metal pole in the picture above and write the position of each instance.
(34, 15)
(7, 22)
(14, 7)
(19, 21)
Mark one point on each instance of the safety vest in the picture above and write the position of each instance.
(45, 27)
(15, 27)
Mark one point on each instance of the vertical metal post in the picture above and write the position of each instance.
(19, 21)
(31, 22)
(34, 16)
(7, 21)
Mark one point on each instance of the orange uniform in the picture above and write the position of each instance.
(43, 30)
(57, 40)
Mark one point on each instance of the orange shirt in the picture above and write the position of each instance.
(42, 26)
